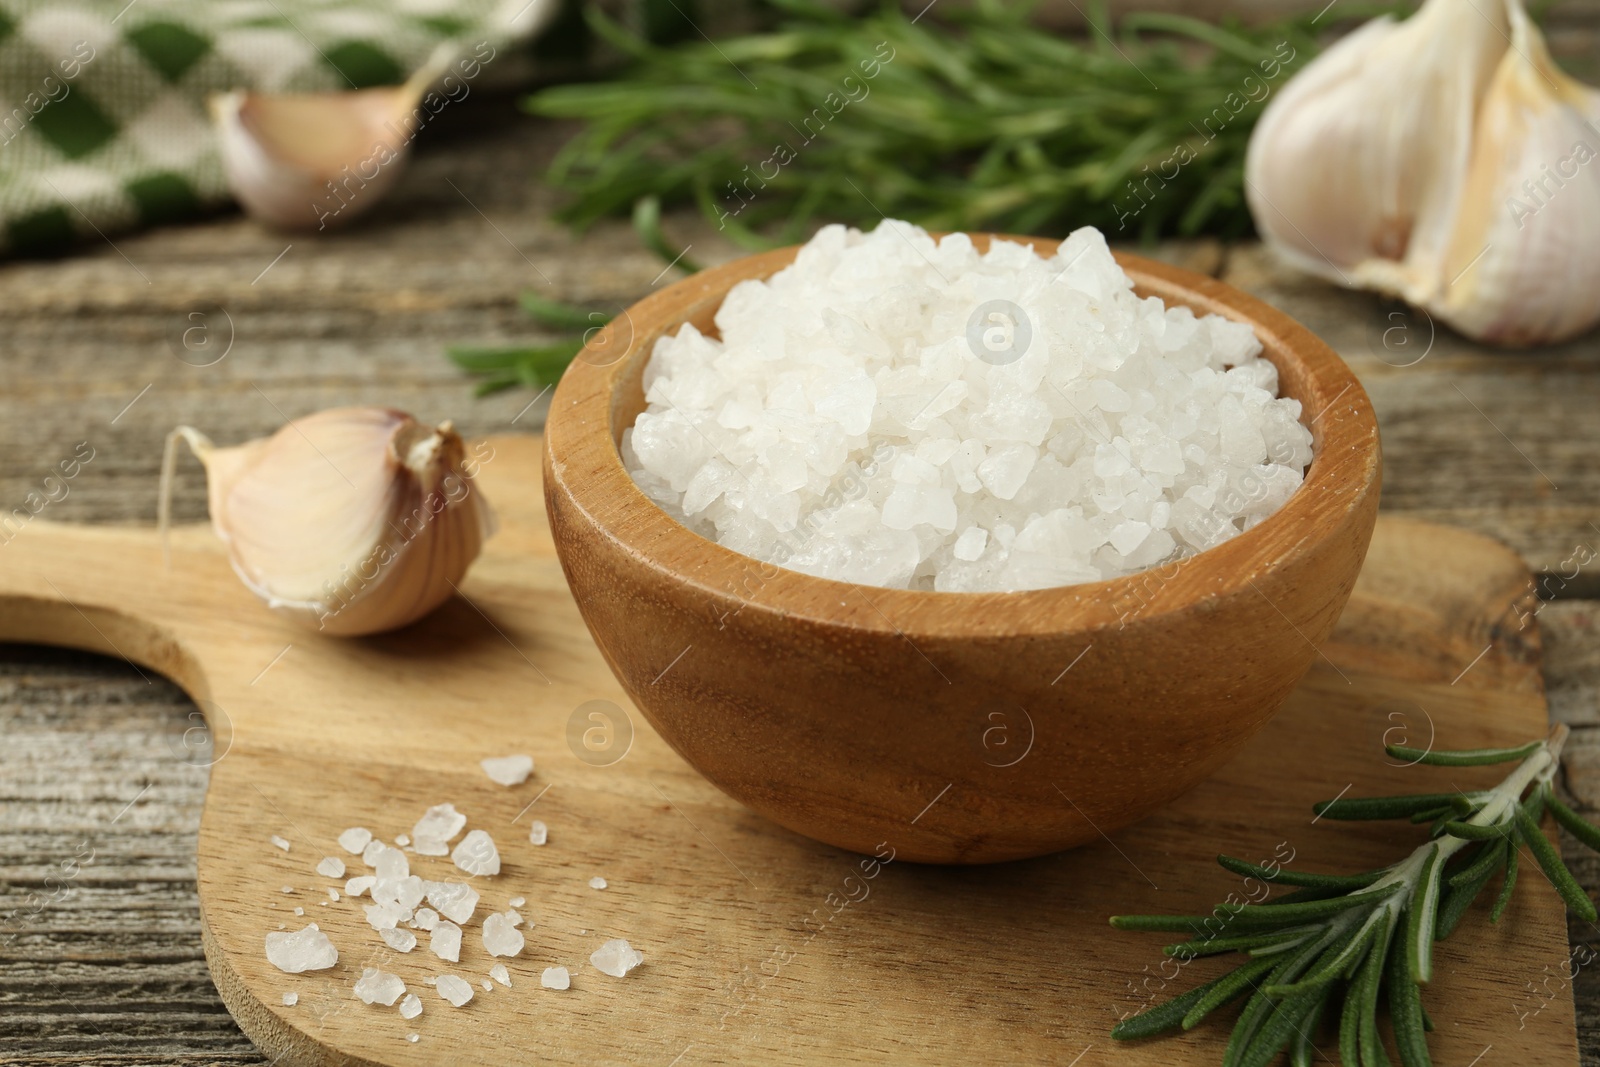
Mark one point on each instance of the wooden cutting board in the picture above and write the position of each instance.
(760, 946)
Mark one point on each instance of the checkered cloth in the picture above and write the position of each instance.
(103, 122)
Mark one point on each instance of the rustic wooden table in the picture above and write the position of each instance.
(105, 965)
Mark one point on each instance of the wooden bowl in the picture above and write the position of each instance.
(954, 727)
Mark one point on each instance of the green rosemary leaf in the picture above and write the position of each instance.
(496, 384)
(1471, 757)
(1259, 1008)
(1306, 878)
(1487, 856)
(1229, 986)
(1382, 807)
(1431, 814)
(647, 223)
(1345, 956)
(535, 366)
(1550, 862)
(1581, 828)
(1165, 1016)
(1427, 1022)
(1473, 831)
(1304, 1045)
(486, 360)
(1310, 892)
(1273, 915)
(986, 122)
(1217, 945)
(559, 316)
(1405, 1009)
(1281, 1027)
(1506, 886)
(1371, 1045)
(1350, 1019)
(1466, 884)
(1421, 918)
(1197, 925)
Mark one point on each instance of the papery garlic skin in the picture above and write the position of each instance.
(1524, 263)
(313, 160)
(292, 160)
(1388, 164)
(350, 521)
(1358, 158)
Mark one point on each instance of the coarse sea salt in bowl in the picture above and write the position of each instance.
(957, 726)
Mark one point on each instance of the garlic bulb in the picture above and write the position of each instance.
(350, 521)
(1397, 161)
(314, 160)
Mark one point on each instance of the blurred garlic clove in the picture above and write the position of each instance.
(1354, 170)
(314, 160)
(1443, 160)
(350, 521)
(1523, 264)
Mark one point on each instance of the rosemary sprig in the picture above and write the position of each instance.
(534, 366)
(972, 118)
(1333, 948)
(537, 366)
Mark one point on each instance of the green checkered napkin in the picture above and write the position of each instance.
(103, 122)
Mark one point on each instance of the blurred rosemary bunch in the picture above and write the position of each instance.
(973, 117)
(1342, 944)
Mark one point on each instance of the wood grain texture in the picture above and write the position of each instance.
(752, 948)
(822, 704)
(361, 317)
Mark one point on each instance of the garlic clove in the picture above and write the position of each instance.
(351, 521)
(1521, 266)
(312, 160)
(1354, 169)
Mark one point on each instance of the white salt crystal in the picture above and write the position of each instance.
(371, 851)
(538, 832)
(453, 989)
(383, 917)
(398, 939)
(355, 839)
(404, 894)
(454, 900)
(303, 950)
(499, 973)
(425, 919)
(555, 978)
(517, 902)
(299, 911)
(435, 830)
(507, 770)
(402, 840)
(413, 1038)
(280, 842)
(333, 894)
(379, 987)
(410, 1008)
(893, 410)
(476, 854)
(616, 958)
(291, 999)
(969, 546)
(514, 916)
(597, 882)
(390, 863)
(501, 936)
(331, 867)
(288, 889)
(488, 986)
(354, 887)
(446, 941)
